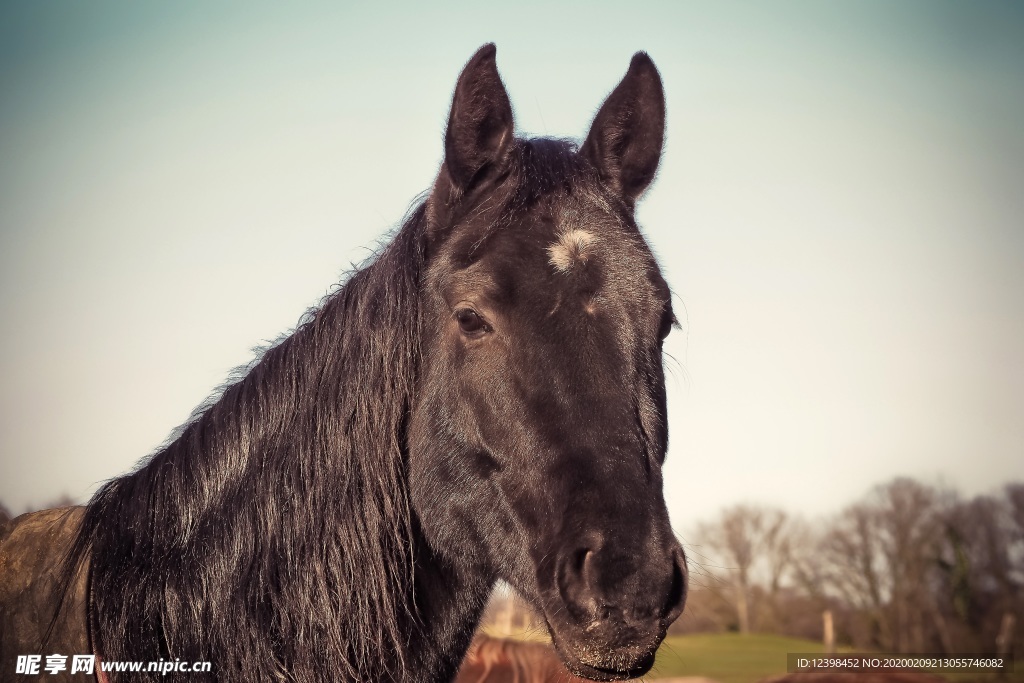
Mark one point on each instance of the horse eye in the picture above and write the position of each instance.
(667, 321)
(470, 322)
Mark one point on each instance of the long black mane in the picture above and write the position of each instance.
(275, 531)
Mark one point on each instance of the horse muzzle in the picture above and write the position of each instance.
(608, 612)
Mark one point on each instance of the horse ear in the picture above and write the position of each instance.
(480, 123)
(625, 140)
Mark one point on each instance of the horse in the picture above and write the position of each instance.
(484, 400)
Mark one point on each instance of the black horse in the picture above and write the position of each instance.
(484, 400)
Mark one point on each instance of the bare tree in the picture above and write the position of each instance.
(853, 567)
(729, 543)
(880, 554)
(750, 546)
(908, 516)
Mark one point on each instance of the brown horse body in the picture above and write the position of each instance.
(496, 660)
(31, 549)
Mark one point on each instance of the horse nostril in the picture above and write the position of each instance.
(677, 590)
(577, 583)
(586, 568)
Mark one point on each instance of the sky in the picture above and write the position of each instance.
(838, 211)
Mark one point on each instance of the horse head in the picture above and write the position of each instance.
(538, 431)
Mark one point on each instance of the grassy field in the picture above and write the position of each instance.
(734, 658)
(727, 657)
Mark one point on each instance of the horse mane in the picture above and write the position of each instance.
(274, 536)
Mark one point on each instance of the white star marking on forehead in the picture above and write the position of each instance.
(572, 247)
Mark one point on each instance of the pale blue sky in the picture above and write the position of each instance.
(838, 213)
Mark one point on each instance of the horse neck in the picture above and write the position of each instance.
(450, 601)
(289, 496)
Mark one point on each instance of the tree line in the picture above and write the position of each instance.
(907, 568)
